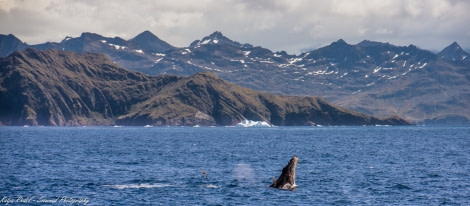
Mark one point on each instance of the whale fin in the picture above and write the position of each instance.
(286, 180)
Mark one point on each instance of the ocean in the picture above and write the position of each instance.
(168, 165)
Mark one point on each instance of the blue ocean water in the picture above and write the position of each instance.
(163, 165)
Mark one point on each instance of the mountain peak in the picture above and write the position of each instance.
(455, 46)
(215, 38)
(455, 43)
(368, 43)
(10, 43)
(9, 37)
(218, 38)
(453, 52)
(89, 35)
(217, 34)
(339, 43)
(146, 35)
(150, 43)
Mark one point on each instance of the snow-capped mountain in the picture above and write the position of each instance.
(372, 77)
(137, 53)
(218, 38)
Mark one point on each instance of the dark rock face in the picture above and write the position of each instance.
(53, 87)
(286, 180)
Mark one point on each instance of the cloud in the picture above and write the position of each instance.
(290, 25)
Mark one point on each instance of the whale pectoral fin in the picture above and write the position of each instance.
(274, 182)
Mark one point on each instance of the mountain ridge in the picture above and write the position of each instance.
(372, 77)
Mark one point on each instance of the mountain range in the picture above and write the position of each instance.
(62, 88)
(376, 78)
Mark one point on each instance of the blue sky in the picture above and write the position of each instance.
(289, 25)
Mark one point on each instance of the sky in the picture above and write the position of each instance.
(279, 25)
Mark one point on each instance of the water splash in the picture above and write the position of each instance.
(138, 186)
(243, 172)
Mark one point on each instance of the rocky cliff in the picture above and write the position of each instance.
(50, 87)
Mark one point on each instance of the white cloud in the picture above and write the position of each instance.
(289, 25)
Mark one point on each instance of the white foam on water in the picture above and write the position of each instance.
(251, 123)
(138, 186)
(212, 186)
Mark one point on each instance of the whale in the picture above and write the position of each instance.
(286, 180)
